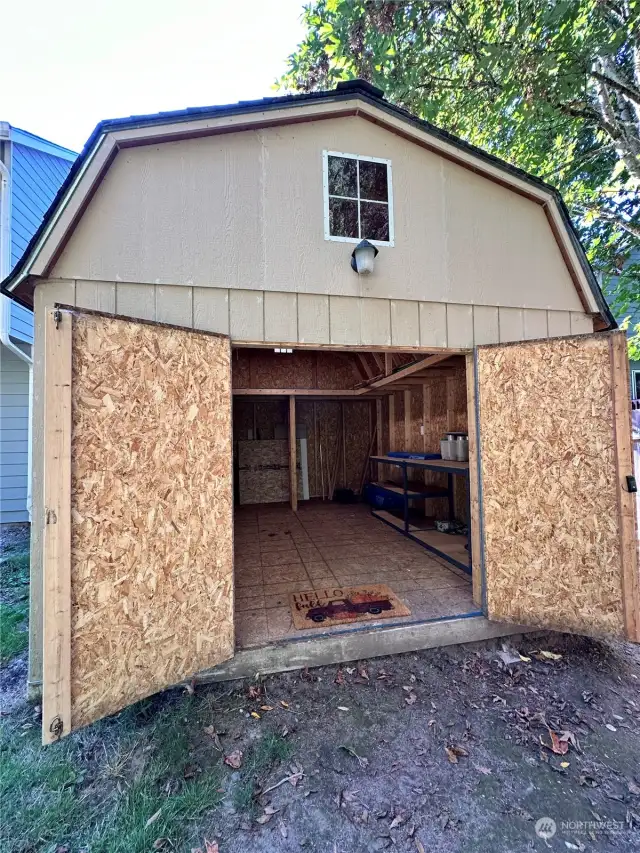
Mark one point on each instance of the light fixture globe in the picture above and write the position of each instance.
(362, 257)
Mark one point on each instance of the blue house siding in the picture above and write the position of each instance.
(36, 170)
(35, 180)
(14, 437)
(21, 323)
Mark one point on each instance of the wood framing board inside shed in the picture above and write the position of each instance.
(151, 566)
(554, 547)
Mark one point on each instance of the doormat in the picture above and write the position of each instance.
(336, 605)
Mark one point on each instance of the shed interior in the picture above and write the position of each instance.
(342, 521)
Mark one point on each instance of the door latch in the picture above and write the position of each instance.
(632, 486)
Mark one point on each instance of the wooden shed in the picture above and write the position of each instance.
(250, 317)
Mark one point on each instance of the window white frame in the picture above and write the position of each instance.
(635, 379)
(389, 202)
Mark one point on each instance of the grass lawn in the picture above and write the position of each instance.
(14, 598)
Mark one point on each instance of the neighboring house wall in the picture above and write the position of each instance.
(226, 233)
(14, 433)
(36, 170)
(634, 319)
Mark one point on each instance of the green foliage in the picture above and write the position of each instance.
(14, 637)
(264, 754)
(98, 789)
(552, 86)
(14, 603)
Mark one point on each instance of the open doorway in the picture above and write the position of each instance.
(368, 504)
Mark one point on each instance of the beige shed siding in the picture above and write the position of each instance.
(253, 315)
(244, 211)
(313, 318)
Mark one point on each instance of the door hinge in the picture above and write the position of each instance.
(56, 727)
(51, 517)
(632, 486)
(57, 317)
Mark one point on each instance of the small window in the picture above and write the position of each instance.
(635, 384)
(358, 203)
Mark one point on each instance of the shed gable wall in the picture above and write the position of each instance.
(244, 211)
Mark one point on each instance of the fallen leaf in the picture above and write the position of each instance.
(544, 655)
(342, 708)
(610, 727)
(254, 691)
(451, 755)
(266, 707)
(211, 846)
(362, 672)
(284, 704)
(255, 715)
(397, 821)
(564, 764)
(271, 810)
(234, 759)
(525, 659)
(411, 699)
(264, 818)
(154, 817)
(339, 679)
(420, 846)
(559, 747)
(508, 657)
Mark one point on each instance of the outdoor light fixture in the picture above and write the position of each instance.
(362, 257)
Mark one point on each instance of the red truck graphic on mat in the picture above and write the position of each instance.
(345, 605)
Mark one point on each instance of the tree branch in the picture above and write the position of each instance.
(627, 91)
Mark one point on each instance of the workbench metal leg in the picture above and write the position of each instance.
(452, 507)
(405, 486)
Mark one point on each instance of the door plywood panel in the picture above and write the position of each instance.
(151, 510)
(554, 550)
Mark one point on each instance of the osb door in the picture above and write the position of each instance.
(559, 545)
(138, 563)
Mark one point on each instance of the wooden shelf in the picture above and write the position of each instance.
(412, 494)
(450, 544)
(450, 466)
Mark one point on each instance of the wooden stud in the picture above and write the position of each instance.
(407, 420)
(388, 364)
(474, 521)
(344, 457)
(409, 370)
(293, 462)
(379, 360)
(379, 448)
(56, 693)
(366, 367)
(624, 465)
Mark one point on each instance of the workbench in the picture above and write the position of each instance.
(453, 548)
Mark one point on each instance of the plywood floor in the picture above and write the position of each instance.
(278, 552)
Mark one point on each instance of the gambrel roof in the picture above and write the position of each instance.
(348, 99)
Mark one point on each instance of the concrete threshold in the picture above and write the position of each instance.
(329, 648)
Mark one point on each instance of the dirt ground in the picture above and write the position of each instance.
(449, 749)
(531, 743)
